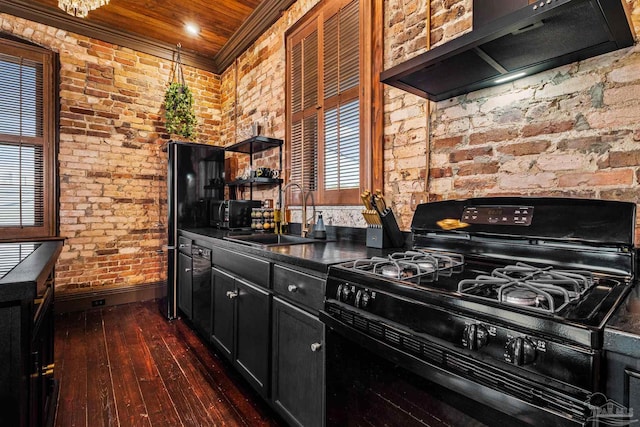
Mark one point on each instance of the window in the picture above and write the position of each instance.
(27, 141)
(329, 83)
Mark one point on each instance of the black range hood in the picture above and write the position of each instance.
(531, 39)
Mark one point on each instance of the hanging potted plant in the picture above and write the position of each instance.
(178, 103)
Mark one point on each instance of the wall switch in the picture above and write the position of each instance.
(417, 199)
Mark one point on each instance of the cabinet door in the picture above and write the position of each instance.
(185, 265)
(298, 365)
(224, 294)
(252, 334)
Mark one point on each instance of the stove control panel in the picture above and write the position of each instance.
(498, 215)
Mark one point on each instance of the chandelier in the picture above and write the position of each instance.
(80, 8)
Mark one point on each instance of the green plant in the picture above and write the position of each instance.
(179, 114)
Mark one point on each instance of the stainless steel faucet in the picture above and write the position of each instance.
(305, 220)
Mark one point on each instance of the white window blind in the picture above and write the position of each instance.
(23, 140)
(341, 81)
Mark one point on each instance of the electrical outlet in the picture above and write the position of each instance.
(97, 302)
(417, 199)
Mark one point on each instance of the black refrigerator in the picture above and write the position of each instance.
(195, 179)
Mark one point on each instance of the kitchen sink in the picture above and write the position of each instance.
(263, 240)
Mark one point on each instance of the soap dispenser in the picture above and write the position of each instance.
(319, 231)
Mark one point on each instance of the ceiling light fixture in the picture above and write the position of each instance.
(192, 29)
(509, 78)
(80, 8)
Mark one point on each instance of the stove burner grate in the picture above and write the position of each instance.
(542, 289)
(413, 266)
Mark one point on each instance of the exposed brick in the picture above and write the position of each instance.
(589, 144)
(462, 155)
(440, 172)
(620, 159)
(494, 135)
(524, 148)
(478, 169)
(545, 128)
(446, 143)
(599, 178)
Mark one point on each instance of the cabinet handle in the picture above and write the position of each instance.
(292, 288)
(232, 294)
(187, 270)
(182, 245)
(316, 346)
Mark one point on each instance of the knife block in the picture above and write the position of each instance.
(377, 238)
(386, 236)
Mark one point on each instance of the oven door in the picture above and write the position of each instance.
(370, 382)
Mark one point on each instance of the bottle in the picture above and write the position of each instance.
(319, 231)
(276, 219)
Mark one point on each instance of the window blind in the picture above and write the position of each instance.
(342, 122)
(24, 148)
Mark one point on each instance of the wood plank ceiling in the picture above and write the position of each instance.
(227, 27)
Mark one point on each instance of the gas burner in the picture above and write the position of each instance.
(520, 296)
(392, 270)
(413, 266)
(536, 288)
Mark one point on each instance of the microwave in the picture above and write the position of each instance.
(232, 214)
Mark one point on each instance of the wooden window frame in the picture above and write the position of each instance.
(370, 93)
(48, 140)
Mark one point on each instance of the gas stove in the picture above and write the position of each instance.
(511, 294)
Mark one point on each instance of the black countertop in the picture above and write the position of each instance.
(622, 333)
(26, 267)
(314, 256)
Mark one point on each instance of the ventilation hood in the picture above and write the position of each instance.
(531, 39)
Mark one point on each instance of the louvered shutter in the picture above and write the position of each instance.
(342, 108)
(24, 141)
(304, 100)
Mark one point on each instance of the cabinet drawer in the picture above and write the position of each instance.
(299, 287)
(184, 245)
(252, 269)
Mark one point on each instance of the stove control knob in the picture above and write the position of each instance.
(363, 298)
(475, 337)
(345, 293)
(520, 351)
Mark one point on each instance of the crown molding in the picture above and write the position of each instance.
(265, 15)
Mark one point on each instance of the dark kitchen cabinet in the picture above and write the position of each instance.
(224, 288)
(623, 380)
(298, 365)
(241, 313)
(185, 285)
(28, 390)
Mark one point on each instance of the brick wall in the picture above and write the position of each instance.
(571, 131)
(112, 169)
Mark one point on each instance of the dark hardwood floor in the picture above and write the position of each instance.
(127, 366)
